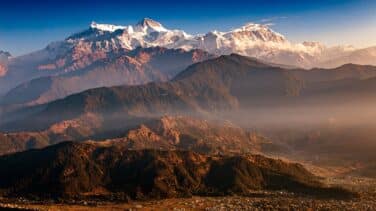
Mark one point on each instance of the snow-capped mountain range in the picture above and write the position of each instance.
(255, 40)
(101, 41)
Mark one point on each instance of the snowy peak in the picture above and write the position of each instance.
(148, 25)
(253, 27)
(259, 32)
(149, 22)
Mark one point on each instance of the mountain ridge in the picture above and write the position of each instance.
(138, 66)
(251, 39)
(73, 170)
(225, 83)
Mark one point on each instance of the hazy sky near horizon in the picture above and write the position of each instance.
(30, 25)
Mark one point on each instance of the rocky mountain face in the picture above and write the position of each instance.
(134, 67)
(86, 169)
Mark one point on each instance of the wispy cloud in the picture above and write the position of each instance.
(269, 24)
(271, 21)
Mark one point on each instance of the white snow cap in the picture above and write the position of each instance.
(252, 39)
(147, 24)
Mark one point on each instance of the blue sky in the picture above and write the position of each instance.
(30, 25)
